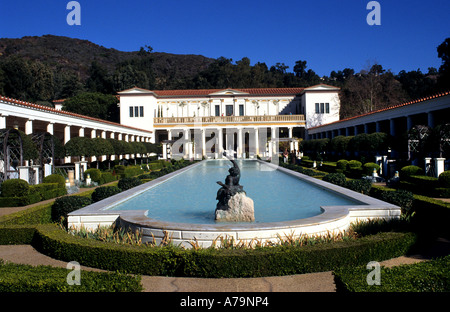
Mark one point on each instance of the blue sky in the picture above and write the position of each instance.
(328, 34)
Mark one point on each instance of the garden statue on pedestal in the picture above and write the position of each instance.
(233, 205)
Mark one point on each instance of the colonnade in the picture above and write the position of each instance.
(241, 142)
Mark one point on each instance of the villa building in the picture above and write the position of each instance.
(243, 121)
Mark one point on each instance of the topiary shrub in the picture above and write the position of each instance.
(335, 178)
(64, 205)
(55, 178)
(94, 173)
(354, 164)
(15, 188)
(342, 164)
(408, 171)
(444, 179)
(128, 183)
(369, 167)
(103, 192)
(106, 177)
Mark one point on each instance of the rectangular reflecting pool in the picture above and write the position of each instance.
(191, 196)
(181, 205)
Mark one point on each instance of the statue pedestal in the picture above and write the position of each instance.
(240, 210)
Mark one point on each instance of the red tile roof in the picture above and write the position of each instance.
(388, 108)
(57, 111)
(206, 92)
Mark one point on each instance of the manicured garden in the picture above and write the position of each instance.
(43, 227)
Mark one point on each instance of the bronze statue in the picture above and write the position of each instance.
(231, 186)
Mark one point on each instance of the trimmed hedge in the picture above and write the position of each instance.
(103, 192)
(362, 186)
(173, 261)
(64, 205)
(444, 179)
(94, 173)
(428, 276)
(128, 183)
(28, 278)
(408, 171)
(335, 178)
(15, 188)
(55, 178)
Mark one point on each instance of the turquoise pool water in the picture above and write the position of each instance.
(190, 197)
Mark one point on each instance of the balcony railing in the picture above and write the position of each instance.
(229, 119)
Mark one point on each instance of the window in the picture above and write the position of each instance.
(322, 108)
(229, 110)
(217, 110)
(136, 111)
(241, 110)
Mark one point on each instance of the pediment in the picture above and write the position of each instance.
(135, 90)
(228, 92)
(322, 87)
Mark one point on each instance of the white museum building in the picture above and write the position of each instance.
(243, 122)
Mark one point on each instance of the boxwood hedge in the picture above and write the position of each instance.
(173, 261)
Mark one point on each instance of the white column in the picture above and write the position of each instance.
(80, 134)
(378, 126)
(186, 143)
(427, 165)
(29, 126)
(291, 144)
(2, 122)
(164, 150)
(93, 134)
(169, 135)
(391, 127)
(203, 142)
(220, 142)
(409, 123)
(430, 119)
(239, 148)
(119, 136)
(256, 141)
(67, 139)
(439, 165)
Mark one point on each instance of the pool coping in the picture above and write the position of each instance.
(332, 218)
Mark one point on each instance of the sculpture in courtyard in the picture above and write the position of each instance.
(233, 204)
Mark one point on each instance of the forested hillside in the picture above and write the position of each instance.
(42, 69)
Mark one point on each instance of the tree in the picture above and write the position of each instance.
(370, 90)
(78, 146)
(97, 105)
(99, 147)
(300, 68)
(67, 85)
(444, 70)
(128, 76)
(27, 80)
(99, 80)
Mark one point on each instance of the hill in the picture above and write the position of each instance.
(75, 56)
